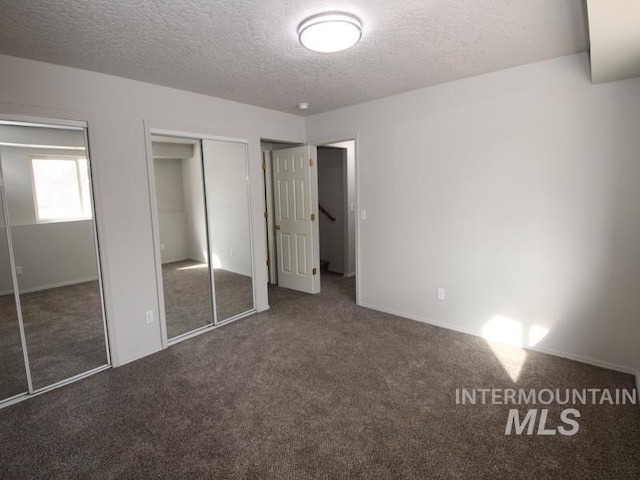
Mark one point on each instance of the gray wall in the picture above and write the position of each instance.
(172, 216)
(179, 192)
(54, 254)
(517, 192)
(225, 165)
(180, 201)
(194, 206)
(50, 254)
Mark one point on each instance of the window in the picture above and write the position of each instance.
(61, 189)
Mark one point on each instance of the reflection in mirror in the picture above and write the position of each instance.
(225, 165)
(13, 378)
(48, 198)
(186, 277)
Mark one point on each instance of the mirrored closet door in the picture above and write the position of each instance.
(181, 218)
(203, 232)
(13, 375)
(225, 168)
(48, 251)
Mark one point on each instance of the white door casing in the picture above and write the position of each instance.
(295, 185)
(271, 237)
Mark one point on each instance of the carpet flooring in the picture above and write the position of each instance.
(13, 379)
(64, 332)
(316, 387)
(187, 298)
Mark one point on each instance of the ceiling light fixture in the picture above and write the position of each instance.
(330, 32)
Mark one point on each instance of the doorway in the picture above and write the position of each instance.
(335, 207)
(336, 197)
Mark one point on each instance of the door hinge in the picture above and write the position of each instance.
(311, 162)
(264, 166)
(314, 271)
(313, 217)
(266, 214)
(268, 262)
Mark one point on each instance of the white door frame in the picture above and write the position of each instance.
(344, 137)
(268, 193)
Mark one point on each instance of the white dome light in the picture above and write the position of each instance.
(330, 32)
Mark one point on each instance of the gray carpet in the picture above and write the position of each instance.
(314, 388)
(234, 293)
(13, 379)
(64, 328)
(187, 299)
(64, 333)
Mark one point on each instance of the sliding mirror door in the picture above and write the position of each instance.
(47, 188)
(13, 378)
(181, 214)
(228, 214)
(202, 218)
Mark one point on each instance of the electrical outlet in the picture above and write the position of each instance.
(149, 316)
(442, 295)
(19, 270)
(232, 253)
(162, 246)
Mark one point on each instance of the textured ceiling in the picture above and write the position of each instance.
(247, 50)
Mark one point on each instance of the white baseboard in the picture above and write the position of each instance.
(179, 259)
(350, 274)
(549, 351)
(237, 272)
(117, 362)
(53, 285)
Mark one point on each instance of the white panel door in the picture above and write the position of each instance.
(295, 189)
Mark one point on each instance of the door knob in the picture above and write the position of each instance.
(277, 227)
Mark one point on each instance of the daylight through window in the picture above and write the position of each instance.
(61, 189)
